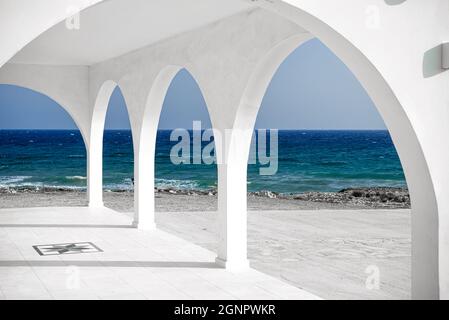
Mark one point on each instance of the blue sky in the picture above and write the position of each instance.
(312, 89)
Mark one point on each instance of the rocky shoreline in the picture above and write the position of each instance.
(376, 197)
(373, 197)
(370, 197)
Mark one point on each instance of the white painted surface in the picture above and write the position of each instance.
(21, 21)
(134, 264)
(145, 150)
(403, 75)
(145, 22)
(95, 149)
(221, 71)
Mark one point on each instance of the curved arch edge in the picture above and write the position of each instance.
(68, 110)
(425, 227)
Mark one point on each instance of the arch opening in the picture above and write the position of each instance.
(177, 139)
(424, 198)
(337, 168)
(118, 155)
(111, 139)
(43, 153)
(424, 224)
(184, 111)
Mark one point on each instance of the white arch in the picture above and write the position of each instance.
(425, 277)
(65, 109)
(62, 106)
(426, 268)
(145, 149)
(232, 175)
(95, 145)
(318, 17)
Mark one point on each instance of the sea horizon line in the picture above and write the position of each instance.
(165, 129)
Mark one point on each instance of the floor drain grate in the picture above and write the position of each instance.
(66, 248)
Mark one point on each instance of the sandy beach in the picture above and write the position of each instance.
(324, 248)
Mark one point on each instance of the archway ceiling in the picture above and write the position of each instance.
(116, 27)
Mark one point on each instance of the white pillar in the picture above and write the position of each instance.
(145, 147)
(144, 207)
(95, 146)
(95, 173)
(232, 217)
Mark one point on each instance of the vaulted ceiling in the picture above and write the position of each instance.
(115, 27)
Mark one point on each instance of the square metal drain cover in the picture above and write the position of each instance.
(66, 248)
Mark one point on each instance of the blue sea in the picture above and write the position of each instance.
(308, 161)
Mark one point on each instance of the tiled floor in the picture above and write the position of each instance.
(134, 264)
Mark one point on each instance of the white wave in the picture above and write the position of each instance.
(65, 187)
(75, 178)
(12, 180)
(126, 185)
(39, 185)
(176, 184)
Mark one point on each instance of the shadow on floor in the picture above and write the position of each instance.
(119, 264)
(394, 2)
(95, 226)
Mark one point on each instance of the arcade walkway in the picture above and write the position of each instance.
(112, 260)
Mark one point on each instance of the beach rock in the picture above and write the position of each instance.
(378, 197)
(266, 194)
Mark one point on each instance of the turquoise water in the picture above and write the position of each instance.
(308, 161)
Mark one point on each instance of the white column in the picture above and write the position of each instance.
(144, 206)
(95, 173)
(232, 217)
(145, 147)
(95, 146)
